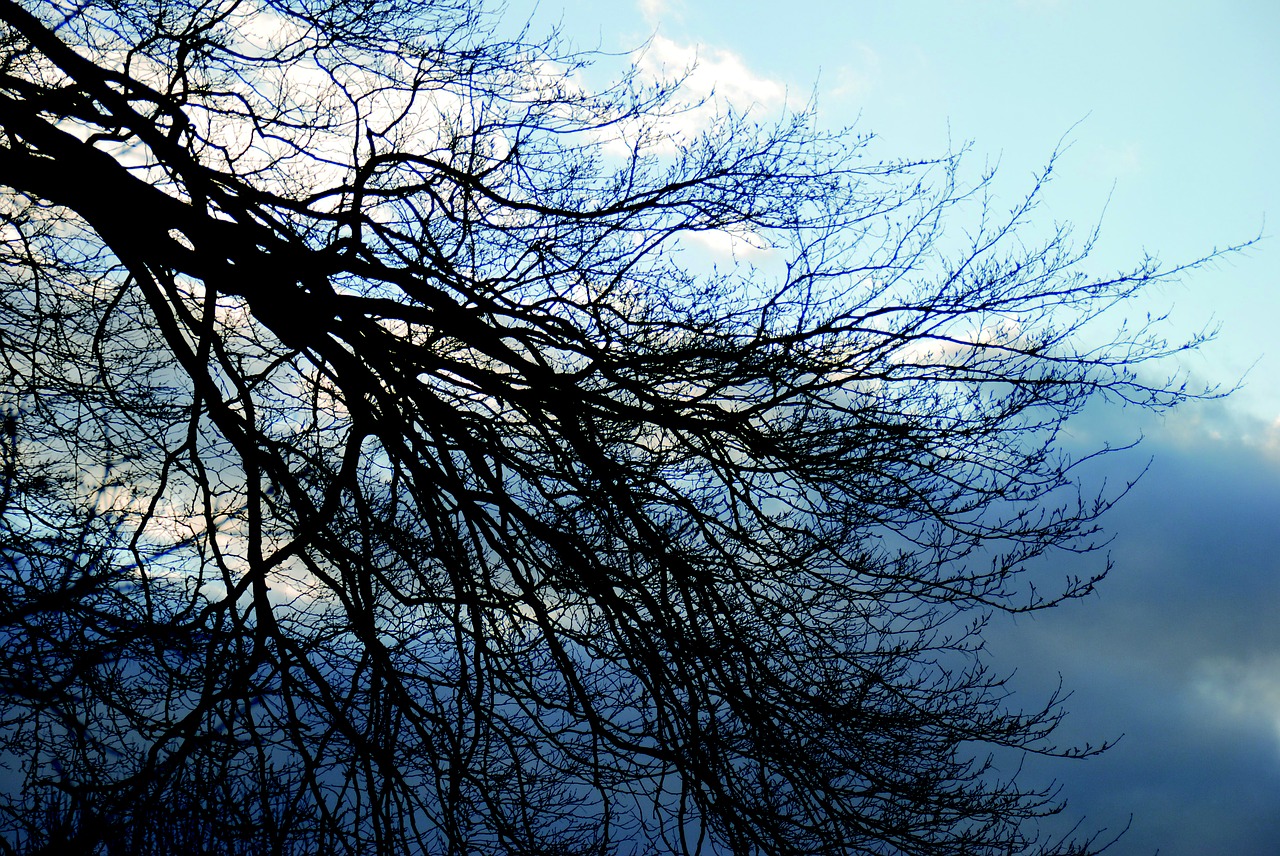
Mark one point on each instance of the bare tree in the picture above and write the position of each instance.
(387, 471)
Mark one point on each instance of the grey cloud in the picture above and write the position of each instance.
(1179, 650)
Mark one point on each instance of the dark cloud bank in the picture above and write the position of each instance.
(1179, 651)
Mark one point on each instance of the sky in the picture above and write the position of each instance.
(1169, 112)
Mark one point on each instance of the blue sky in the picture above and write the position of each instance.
(1172, 112)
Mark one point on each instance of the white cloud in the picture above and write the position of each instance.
(711, 83)
(1242, 692)
(736, 245)
(1215, 427)
(1269, 440)
(653, 10)
(963, 348)
(720, 75)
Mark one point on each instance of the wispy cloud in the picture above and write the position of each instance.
(1120, 159)
(717, 77)
(736, 245)
(1243, 691)
(859, 76)
(712, 83)
(654, 10)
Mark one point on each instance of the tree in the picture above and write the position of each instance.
(387, 472)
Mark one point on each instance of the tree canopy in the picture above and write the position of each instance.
(389, 469)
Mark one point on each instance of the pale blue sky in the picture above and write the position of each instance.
(1176, 114)
(1175, 108)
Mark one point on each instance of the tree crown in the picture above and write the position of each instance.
(384, 452)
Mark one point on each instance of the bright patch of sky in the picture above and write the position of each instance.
(1247, 693)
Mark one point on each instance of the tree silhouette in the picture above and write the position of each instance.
(389, 471)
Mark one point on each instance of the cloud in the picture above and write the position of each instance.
(654, 10)
(1241, 692)
(1269, 440)
(1217, 427)
(711, 84)
(1114, 161)
(858, 78)
(713, 81)
(725, 244)
(1179, 651)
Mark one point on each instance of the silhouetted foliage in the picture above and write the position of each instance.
(389, 468)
